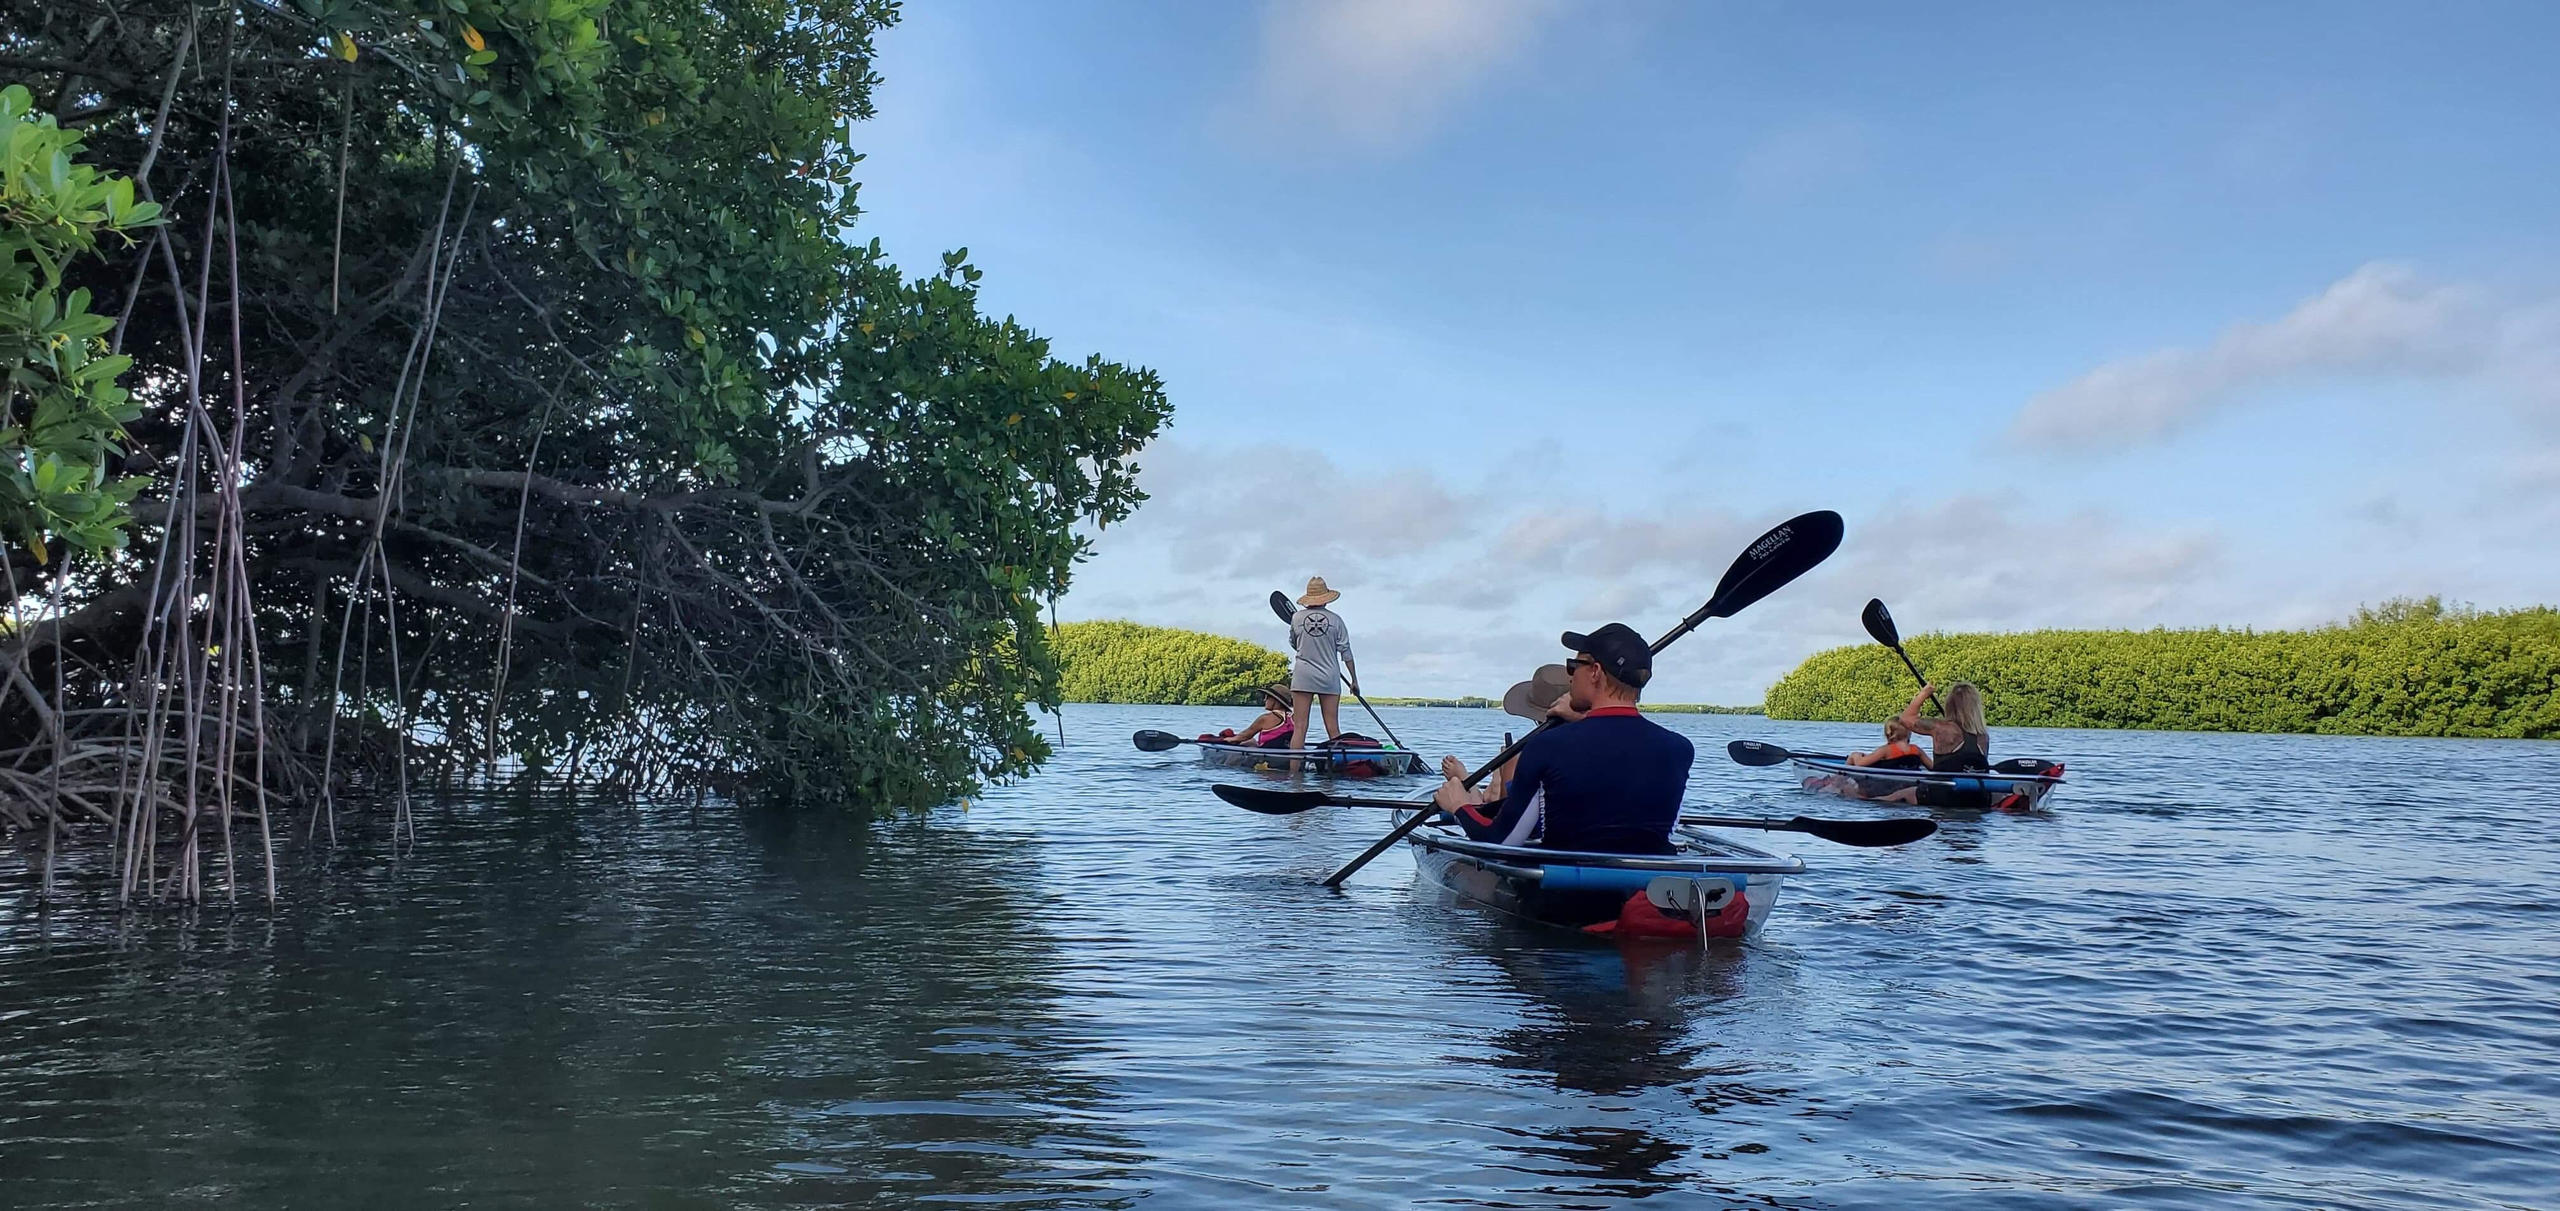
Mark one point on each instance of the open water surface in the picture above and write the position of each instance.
(2243, 971)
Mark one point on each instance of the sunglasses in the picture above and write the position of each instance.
(1577, 662)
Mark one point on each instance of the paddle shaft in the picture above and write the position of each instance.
(1373, 715)
(1869, 834)
(1820, 529)
(1915, 675)
(1766, 823)
(2015, 767)
(1879, 623)
(1509, 751)
(1763, 753)
(1427, 810)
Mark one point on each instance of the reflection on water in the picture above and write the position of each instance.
(1606, 1021)
(2238, 971)
(570, 1002)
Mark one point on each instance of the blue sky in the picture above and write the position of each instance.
(1513, 315)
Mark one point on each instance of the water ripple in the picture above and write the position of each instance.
(2227, 971)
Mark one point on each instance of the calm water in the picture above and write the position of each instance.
(2233, 971)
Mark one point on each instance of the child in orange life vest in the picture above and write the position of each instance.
(1898, 752)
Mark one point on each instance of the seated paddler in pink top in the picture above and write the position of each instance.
(1270, 729)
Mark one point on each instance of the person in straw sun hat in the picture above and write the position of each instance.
(1323, 647)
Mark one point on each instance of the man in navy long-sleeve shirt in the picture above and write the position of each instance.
(1608, 780)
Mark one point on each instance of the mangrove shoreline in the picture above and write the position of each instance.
(2406, 668)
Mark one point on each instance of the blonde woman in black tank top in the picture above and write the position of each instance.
(1958, 740)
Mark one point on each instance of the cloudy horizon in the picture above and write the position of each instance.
(1507, 317)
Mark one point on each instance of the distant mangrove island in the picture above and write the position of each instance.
(1119, 661)
(2405, 668)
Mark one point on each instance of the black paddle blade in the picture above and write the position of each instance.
(1867, 834)
(1792, 549)
(1879, 623)
(1154, 741)
(1753, 752)
(1268, 802)
(1281, 605)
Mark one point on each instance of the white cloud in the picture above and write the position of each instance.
(1803, 158)
(2383, 320)
(1286, 512)
(1449, 588)
(1381, 73)
(1983, 563)
(1459, 588)
(1620, 567)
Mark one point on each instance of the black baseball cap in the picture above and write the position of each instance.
(1622, 653)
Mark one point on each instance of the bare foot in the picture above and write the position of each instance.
(1451, 768)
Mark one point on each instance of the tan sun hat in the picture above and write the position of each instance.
(1317, 594)
(1530, 699)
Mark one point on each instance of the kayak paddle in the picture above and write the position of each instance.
(1373, 715)
(1755, 752)
(1152, 741)
(1869, 834)
(1759, 752)
(1790, 550)
(1879, 623)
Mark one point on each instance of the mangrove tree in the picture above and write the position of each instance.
(510, 393)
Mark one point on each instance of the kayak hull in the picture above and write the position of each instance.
(1969, 791)
(1357, 763)
(1728, 888)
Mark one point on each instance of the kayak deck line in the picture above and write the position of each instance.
(1962, 790)
(1389, 760)
(1828, 766)
(1728, 887)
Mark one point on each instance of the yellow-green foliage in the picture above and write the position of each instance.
(1126, 662)
(2411, 668)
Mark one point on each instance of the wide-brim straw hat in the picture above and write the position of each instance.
(1317, 594)
(1530, 699)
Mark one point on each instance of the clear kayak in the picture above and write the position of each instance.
(1383, 761)
(1712, 887)
(2015, 789)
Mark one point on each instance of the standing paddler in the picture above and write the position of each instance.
(1323, 647)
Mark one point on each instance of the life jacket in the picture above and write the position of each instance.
(1901, 754)
(1355, 741)
(1641, 918)
(1277, 737)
